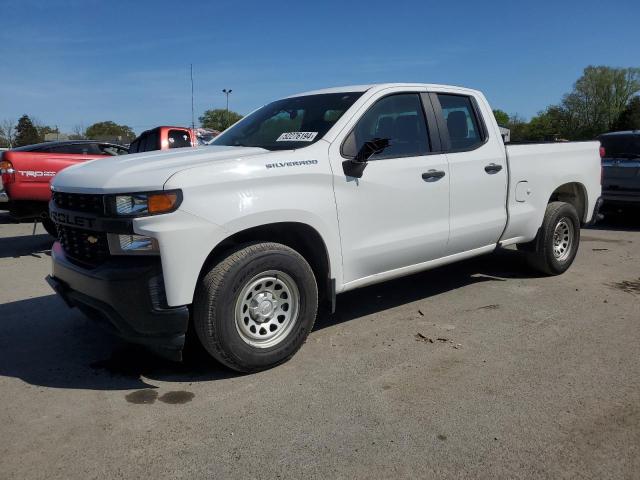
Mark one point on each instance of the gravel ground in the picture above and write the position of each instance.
(476, 370)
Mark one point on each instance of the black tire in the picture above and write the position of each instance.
(50, 227)
(217, 299)
(541, 254)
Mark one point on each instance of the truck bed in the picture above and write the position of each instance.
(536, 170)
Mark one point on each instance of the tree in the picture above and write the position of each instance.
(110, 131)
(501, 117)
(602, 99)
(7, 133)
(598, 98)
(629, 119)
(217, 119)
(26, 133)
(518, 128)
(78, 133)
(43, 130)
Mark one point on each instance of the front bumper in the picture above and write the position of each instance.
(4, 198)
(127, 296)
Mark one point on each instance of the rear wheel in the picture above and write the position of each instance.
(555, 247)
(255, 308)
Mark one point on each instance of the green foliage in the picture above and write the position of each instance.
(26, 132)
(44, 130)
(518, 128)
(501, 117)
(217, 119)
(110, 131)
(7, 133)
(629, 119)
(594, 106)
(598, 98)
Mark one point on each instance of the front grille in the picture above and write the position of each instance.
(80, 202)
(83, 245)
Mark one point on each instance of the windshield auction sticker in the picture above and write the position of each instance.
(297, 137)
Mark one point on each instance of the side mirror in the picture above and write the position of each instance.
(354, 167)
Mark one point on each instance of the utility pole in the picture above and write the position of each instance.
(227, 92)
(193, 118)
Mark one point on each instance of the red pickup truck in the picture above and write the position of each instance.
(27, 171)
(165, 138)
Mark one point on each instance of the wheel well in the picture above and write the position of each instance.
(299, 236)
(573, 193)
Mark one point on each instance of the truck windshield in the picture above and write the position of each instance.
(289, 123)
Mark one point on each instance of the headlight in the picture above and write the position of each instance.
(131, 204)
(141, 204)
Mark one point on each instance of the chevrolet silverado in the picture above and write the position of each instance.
(305, 198)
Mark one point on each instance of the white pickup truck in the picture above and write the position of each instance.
(305, 198)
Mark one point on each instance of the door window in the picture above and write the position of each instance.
(396, 118)
(114, 150)
(458, 112)
(153, 141)
(76, 148)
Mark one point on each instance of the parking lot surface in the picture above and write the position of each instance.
(475, 370)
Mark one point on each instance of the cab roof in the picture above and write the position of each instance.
(373, 86)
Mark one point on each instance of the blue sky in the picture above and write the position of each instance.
(80, 61)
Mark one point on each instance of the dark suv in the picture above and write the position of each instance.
(620, 152)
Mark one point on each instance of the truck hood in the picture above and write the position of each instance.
(142, 171)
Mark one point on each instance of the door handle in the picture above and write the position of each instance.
(433, 175)
(492, 168)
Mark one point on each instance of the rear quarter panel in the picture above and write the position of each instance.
(545, 167)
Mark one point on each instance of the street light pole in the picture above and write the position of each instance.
(227, 92)
(193, 118)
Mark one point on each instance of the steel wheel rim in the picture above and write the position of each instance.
(267, 309)
(563, 239)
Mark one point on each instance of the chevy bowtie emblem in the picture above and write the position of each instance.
(91, 239)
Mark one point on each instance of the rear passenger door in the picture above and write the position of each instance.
(478, 172)
(397, 214)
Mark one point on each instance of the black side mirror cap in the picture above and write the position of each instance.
(354, 167)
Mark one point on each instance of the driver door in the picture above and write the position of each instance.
(397, 214)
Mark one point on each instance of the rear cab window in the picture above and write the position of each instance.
(465, 130)
(178, 138)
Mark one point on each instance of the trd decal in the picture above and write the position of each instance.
(36, 173)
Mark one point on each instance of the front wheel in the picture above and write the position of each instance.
(254, 309)
(555, 247)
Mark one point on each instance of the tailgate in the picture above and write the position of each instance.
(621, 174)
(34, 172)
